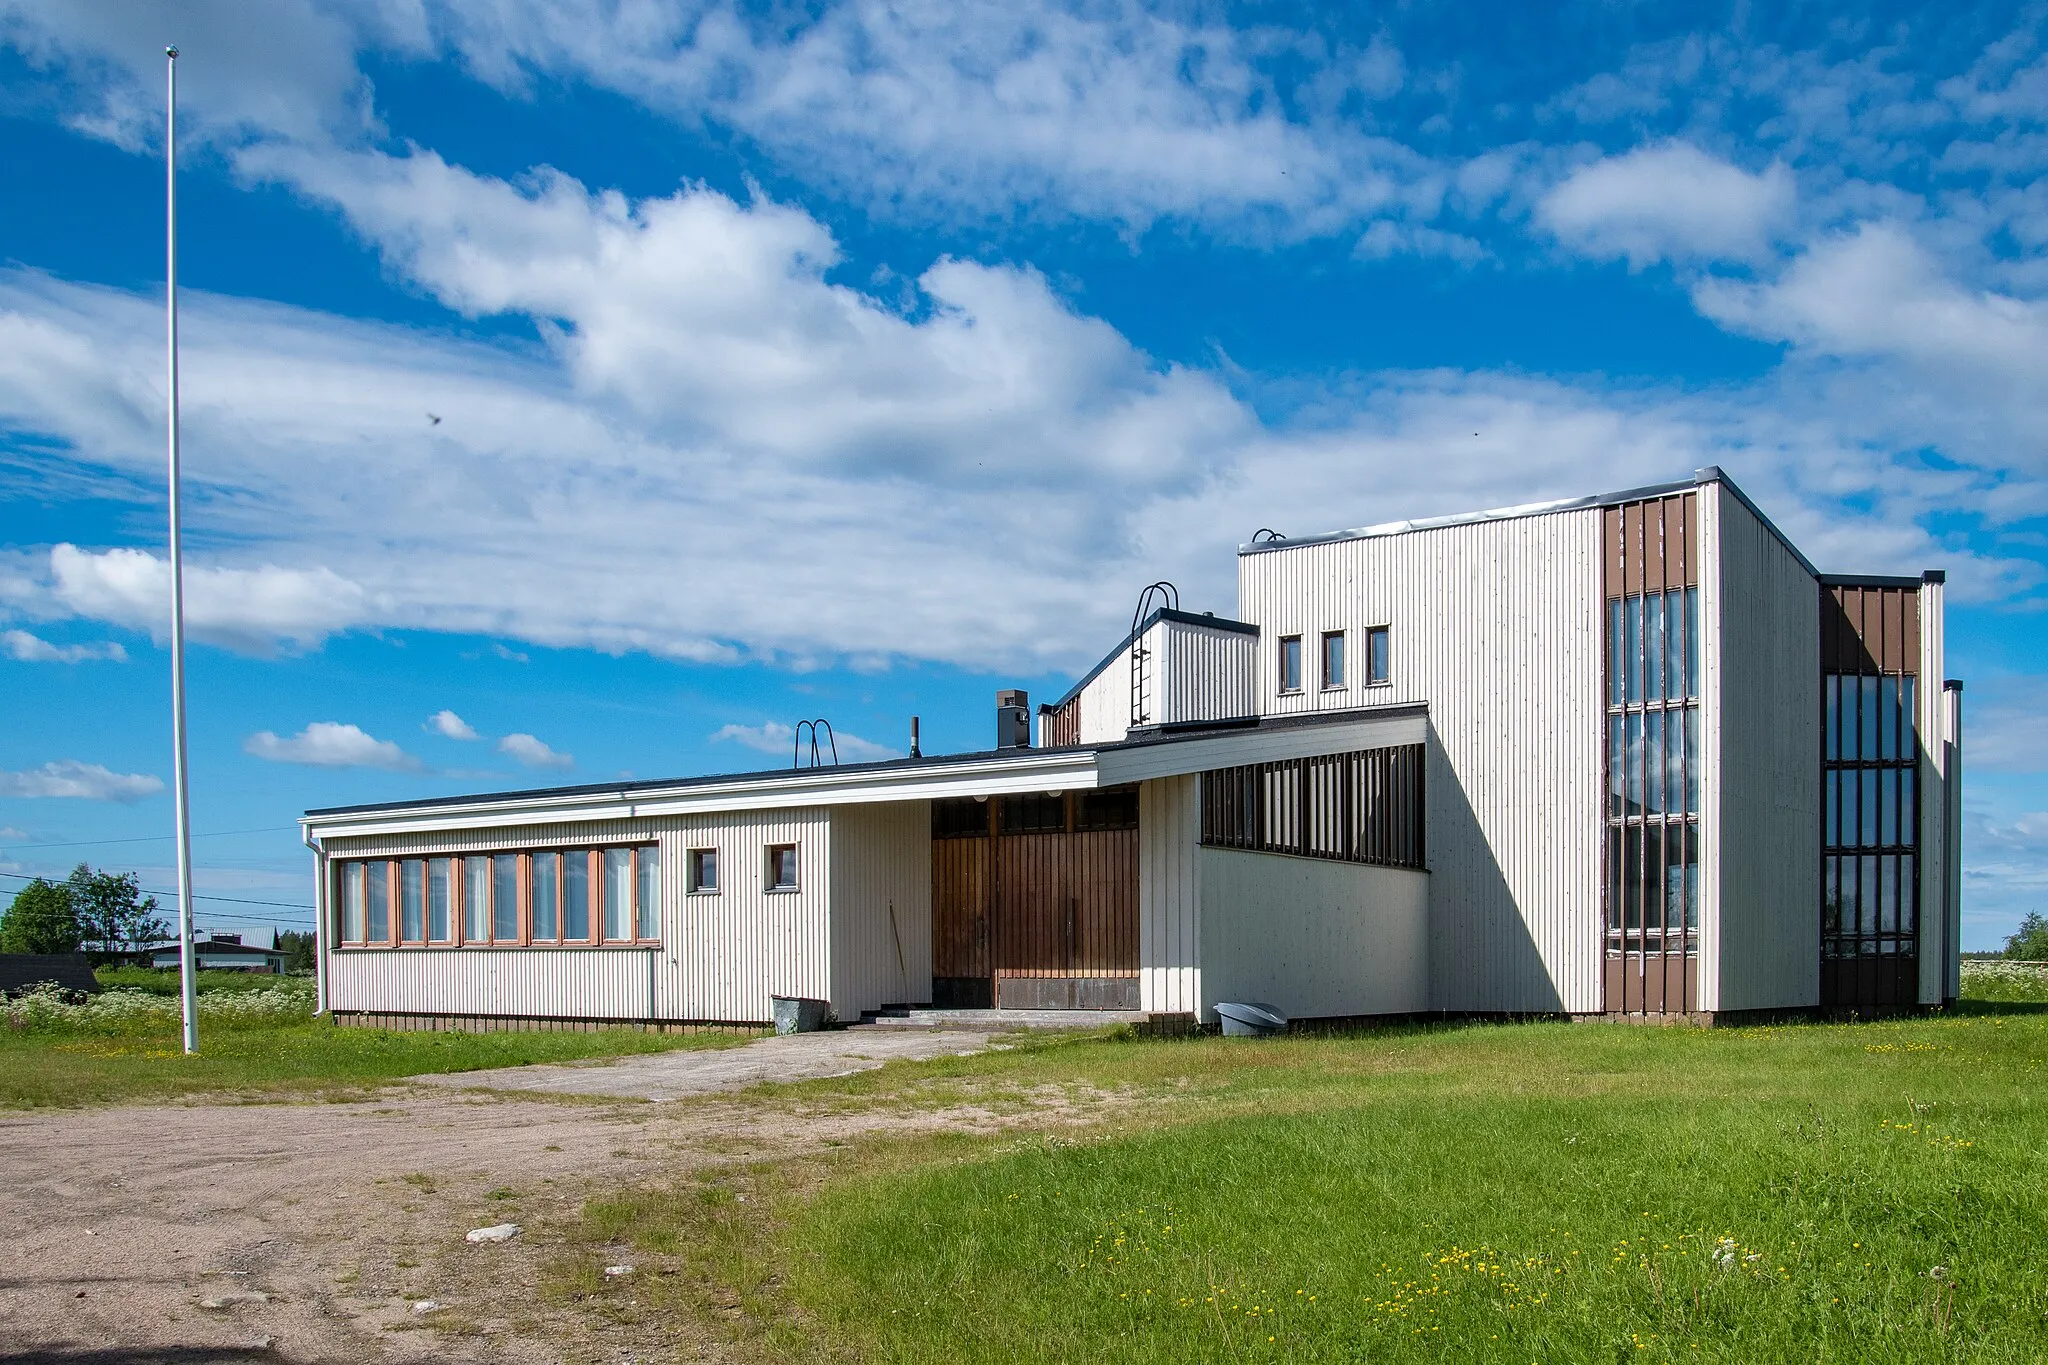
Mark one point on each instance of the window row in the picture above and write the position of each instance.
(1869, 904)
(1333, 664)
(1363, 807)
(1653, 887)
(1869, 808)
(548, 897)
(778, 869)
(1077, 812)
(1868, 719)
(1653, 763)
(1653, 647)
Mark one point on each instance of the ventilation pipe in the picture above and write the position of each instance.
(915, 751)
(1013, 719)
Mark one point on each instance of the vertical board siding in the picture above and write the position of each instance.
(1318, 939)
(1205, 674)
(1067, 904)
(882, 906)
(1496, 625)
(1106, 703)
(584, 983)
(1768, 792)
(1169, 895)
(960, 897)
(726, 954)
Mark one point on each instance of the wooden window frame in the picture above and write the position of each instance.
(1343, 679)
(693, 867)
(769, 884)
(639, 852)
(1372, 633)
(1281, 665)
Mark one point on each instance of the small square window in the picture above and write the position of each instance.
(1290, 663)
(782, 867)
(703, 871)
(1377, 657)
(1333, 659)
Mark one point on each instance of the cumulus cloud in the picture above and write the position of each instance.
(534, 753)
(67, 777)
(773, 737)
(256, 609)
(1670, 201)
(449, 726)
(27, 648)
(331, 744)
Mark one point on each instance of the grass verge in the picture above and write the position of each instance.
(1545, 1192)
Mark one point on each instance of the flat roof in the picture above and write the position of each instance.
(993, 772)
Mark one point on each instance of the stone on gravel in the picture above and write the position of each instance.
(612, 1272)
(235, 1298)
(502, 1232)
(427, 1306)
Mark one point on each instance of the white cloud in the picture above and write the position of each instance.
(19, 644)
(1670, 201)
(331, 744)
(533, 753)
(67, 777)
(773, 737)
(1386, 238)
(449, 725)
(255, 610)
(11, 834)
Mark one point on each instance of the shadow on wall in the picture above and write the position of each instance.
(1482, 956)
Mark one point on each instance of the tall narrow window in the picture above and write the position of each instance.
(1377, 657)
(1290, 663)
(545, 889)
(576, 895)
(352, 902)
(377, 879)
(1333, 659)
(618, 893)
(439, 897)
(412, 901)
(476, 900)
(649, 891)
(505, 898)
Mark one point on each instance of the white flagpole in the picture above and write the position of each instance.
(187, 958)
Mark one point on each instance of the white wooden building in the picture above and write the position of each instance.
(1628, 754)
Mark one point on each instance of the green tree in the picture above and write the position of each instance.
(40, 920)
(2030, 944)
(113, 914)
(298, 950)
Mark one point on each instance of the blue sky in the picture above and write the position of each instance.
(856, 360)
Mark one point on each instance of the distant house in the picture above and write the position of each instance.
(221, 952)
(1630, 754)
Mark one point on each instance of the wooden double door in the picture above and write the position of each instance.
(1043, 918)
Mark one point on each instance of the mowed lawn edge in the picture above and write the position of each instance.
(1547, 1192)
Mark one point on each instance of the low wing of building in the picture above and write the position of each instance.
(1629, 754)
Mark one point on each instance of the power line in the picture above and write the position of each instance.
(152, 838)
(151, 891)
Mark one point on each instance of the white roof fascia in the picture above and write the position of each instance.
(1027, 771)
(1141, 762)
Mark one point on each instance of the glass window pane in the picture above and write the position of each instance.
(618, 893)
(476, 899)
(1653, 647)
(1831, 812)
(650, 891)
(1615, 876)
(1379, 644)
(505, 898)
(1290, 664)
(1888, 895)
(1333, 659)
(1653, 763)
(412, 900)
(1909, 813)
(576, 895)
(1632, 884)
(1617, 765)
(352, 902)
(1909, 897)
(1866, 706)
(1692, 642)
(1831, 718)
(377, 884)
(1910, 744)
(439, 896)
(1634, 791)
(1888, 717)
(1632, 648)
(1616, 676)
(1867, 831)
(1866, 895)
(545, 912)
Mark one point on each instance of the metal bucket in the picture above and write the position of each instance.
(794, 1014)
(1250, 1020)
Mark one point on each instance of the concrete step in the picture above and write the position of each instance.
(998, 1019)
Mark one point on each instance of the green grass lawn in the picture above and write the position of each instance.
(261, 1043)
(1538, 1192)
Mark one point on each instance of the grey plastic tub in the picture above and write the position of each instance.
(1250, 1019)
(794, 1014)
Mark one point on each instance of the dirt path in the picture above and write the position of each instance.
(315, 1229)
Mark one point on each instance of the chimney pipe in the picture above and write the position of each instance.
(915, 752)
(1013, 719)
